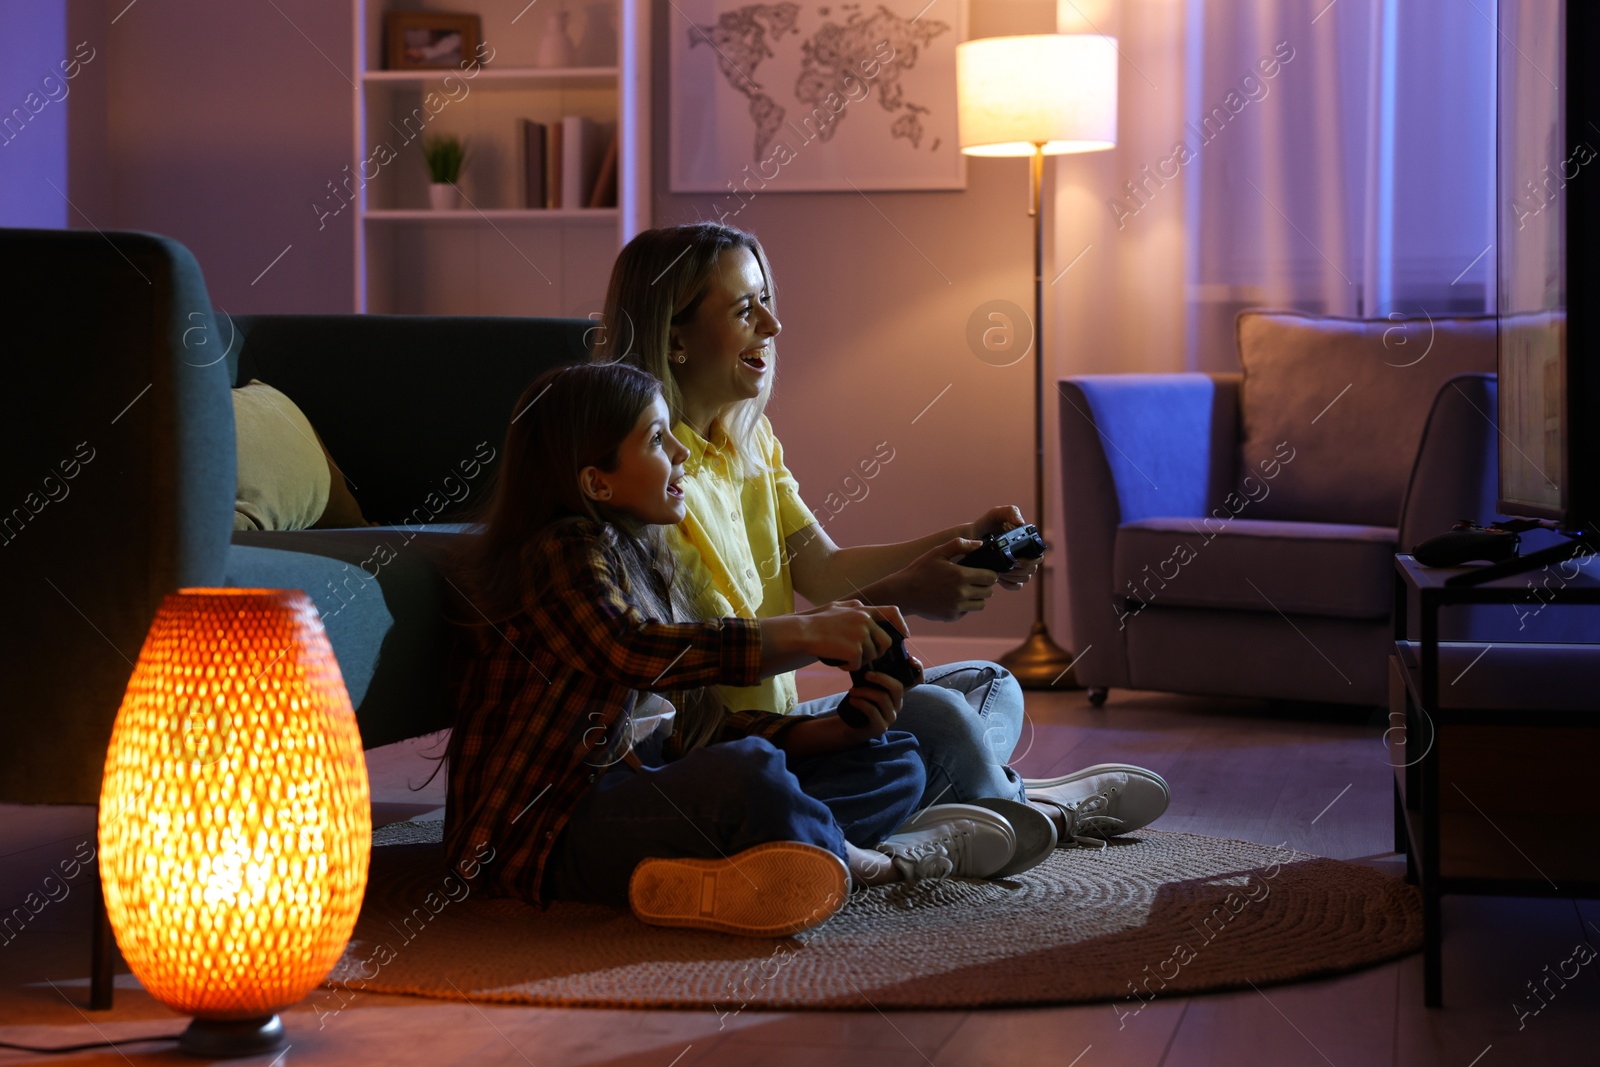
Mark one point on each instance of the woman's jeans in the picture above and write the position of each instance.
(728, 797)
(967, 718)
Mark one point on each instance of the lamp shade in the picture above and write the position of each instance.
(1059, 89)
(235, 822)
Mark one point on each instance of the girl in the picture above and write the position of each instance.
(572, 780)
(695, 305)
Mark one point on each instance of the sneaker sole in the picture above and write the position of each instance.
(1099, 768)
(1036, 834)
(771, 890)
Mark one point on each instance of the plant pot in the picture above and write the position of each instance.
(443, 196)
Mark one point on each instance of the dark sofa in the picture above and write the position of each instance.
(115, 353)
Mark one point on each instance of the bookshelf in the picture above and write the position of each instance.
(493, 255)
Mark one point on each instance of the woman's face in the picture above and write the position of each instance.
(724, 349)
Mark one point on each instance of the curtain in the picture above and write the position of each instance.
(1334, 156)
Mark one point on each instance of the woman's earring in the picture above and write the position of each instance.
(682, 358)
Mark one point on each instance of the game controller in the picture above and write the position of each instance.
(1466, 542)
(894, 662)
(1000, 552)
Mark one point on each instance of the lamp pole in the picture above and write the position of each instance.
(1039, 663)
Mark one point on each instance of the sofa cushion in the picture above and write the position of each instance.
(1309, 568)
(383, 603)
(283, 469)
(1350, 397)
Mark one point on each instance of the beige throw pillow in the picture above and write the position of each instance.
(1347, 399)
(284, 477)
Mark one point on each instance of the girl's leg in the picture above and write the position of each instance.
(967, 718)
(714, 802)
(870, 789)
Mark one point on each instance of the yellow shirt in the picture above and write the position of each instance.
(730, 546)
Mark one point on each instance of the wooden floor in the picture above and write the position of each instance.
(1315, 779)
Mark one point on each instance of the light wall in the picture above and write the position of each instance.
(226, 122)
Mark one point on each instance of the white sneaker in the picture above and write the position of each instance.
(946, 840)
(1100, 802)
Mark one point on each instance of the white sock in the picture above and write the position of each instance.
(868, 867)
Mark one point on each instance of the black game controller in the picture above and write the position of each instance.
(1000, 552)
(1466, 542)
(894, 662)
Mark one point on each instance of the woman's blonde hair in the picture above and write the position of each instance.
(659, 281)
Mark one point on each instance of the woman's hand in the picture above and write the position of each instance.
(935, 586)
(999, 520)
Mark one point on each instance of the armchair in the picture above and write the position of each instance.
(1234, 534)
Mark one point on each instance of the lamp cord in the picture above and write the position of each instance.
(90, 1044)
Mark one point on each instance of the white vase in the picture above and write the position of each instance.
(443, 196)
(599, 45)
(555, 46)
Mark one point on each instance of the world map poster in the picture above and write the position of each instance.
(813, 97)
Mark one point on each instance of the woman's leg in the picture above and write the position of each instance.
(714, 802)
(967, 718)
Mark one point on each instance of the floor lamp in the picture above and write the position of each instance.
(1037, 95)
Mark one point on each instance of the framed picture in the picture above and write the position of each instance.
(428, 40)
(814, 96)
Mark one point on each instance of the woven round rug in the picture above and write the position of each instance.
(1153, 915)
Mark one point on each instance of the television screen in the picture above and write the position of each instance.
(1547, 213)
(1535, 164)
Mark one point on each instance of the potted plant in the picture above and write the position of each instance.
(444, 155)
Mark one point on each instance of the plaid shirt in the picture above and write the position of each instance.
(538, 706)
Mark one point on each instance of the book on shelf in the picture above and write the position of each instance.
(533, 155)
(569, 164)
(604, 191)
(552, 164)
(581, 151)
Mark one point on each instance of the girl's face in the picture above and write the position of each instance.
(725, 348)
(649, 467)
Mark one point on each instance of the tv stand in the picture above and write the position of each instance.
(1463, 713)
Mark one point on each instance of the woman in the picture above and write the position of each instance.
(694, 306)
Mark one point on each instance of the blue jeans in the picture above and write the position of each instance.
(725, 798)
(967, 719)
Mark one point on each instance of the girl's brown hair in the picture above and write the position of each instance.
(659, 281)
(570, 418)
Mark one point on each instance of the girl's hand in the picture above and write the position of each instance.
(879, 701)
(843, 634)
(999, 520)
(829, 733)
